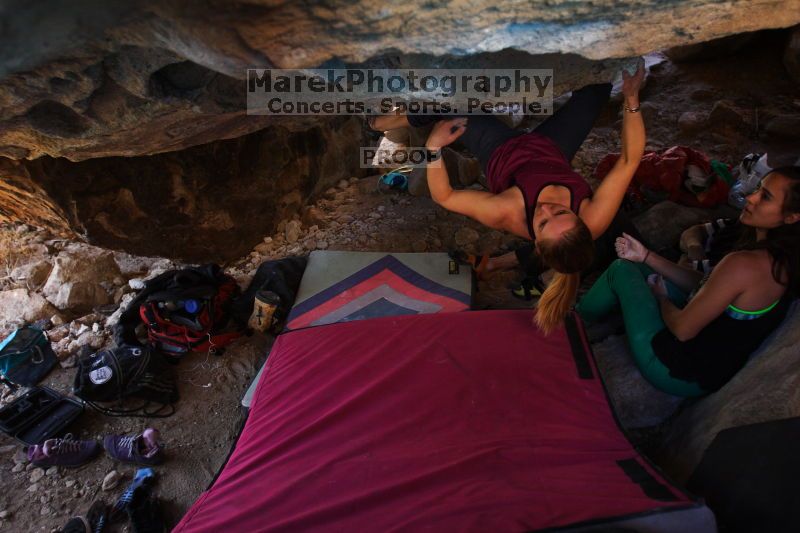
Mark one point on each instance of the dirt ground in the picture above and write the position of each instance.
(199, 436)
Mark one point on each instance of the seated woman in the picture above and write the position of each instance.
(535, 194)
(694, 349)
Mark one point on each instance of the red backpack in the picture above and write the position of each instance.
(190, 312)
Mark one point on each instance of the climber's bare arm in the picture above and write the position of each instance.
(604, 204)
(489, 209)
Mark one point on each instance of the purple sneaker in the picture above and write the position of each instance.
(63, 452)
(143, 449)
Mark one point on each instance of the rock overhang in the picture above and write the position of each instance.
(136, 77)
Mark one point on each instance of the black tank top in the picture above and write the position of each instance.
(720, 350)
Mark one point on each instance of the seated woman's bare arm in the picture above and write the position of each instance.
(634, 250)
(727, 281)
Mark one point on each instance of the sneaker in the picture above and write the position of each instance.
(63, 452)
(144, 478)
(142, 449)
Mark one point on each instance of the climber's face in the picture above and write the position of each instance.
(551, 220)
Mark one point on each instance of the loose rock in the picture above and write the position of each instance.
(313, 216)
(466, 236)
(34, 274)
(419, 246)
(8, 448)
(36, 475)
(292, 231)
(77, 275)
(111, 480)
(20, 457)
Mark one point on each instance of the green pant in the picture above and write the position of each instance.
(624, 285)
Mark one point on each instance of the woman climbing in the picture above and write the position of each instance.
(695, 349)
(535, 194)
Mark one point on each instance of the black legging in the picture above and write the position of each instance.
(567, 127)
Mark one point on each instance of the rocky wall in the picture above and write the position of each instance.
(206, 203)
(90, 78)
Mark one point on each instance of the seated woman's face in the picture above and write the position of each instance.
(764, 208)
(551, 220)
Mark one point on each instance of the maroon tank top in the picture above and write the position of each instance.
(532, 162)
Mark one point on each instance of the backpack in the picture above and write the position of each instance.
(26, 357)
(114, 374)
(183, 310)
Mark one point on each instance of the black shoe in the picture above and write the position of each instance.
(145, 512)
(94, 521)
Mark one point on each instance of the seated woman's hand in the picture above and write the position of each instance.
(629, 248)
(657, 285)
(445, 132)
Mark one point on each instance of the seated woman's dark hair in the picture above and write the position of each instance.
(572, 253)
(782, 243)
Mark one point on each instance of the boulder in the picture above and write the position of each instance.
(636, 402)
(691, 122)
(22, 306)
(702, 94)
(662, 225)
(725, 114)
(784, 126)
(79, 272)
(767, 388)
(32, 274)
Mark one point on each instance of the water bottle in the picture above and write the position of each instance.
(191, 306)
